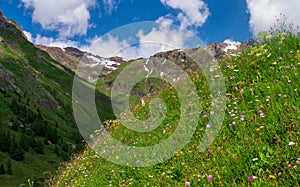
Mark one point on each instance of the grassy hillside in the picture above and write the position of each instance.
(37, 129)
(258, 144)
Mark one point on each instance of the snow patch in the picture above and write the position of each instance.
(232, 45)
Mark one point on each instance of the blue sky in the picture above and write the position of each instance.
(80, 23)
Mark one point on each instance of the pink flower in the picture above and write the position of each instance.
(212, 113)
(280, 58)
(209, 151)
(276, 81)
(208, 126)
(249, 179)
(205, 116)
(209, 177)
(287, 67)
(187, 183)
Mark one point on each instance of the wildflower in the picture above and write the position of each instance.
(187, 183)
(287, 67)
(276, 80)
(272, 177)
(249, 179)
(209, 177)
(212, 113)
(268, 97)
(205, 116)
(209, 151)
(254, 159)
(208, 126)
(242, 118)
(285, 96)
(233, 123)
(280, 58)
(139, 162)
(292, 143)
(291, 52)
(279, 95)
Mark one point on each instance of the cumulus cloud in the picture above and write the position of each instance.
(49, 41)
(263, 13)
(161, 38)
(193, 13)
(108, 47)
(68, 17)
(28, 36)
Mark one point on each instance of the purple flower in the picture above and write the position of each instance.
(139, 162)
(287, 67)
(276, 81)
(187, 183)
(209, 177)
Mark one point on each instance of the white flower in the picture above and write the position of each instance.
(254, 159)
(292, 143)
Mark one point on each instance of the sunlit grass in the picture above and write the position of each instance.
(258, 144)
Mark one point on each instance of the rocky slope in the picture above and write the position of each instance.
(72, 57)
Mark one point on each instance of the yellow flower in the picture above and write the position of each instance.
(272, 177)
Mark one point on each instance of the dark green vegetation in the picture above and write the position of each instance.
(258, 144)
(37, 129)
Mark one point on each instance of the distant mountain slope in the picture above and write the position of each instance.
(37, 129)
(71, 57)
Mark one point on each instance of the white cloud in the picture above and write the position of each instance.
(105, 48)
(28, 36)
(68, 17)
(193, 13)
(48, 41)
(163, 38)
(263, 13)
(111, 5)
(232, 42)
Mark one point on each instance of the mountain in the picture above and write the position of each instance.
(72, 57)
(37, 127)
